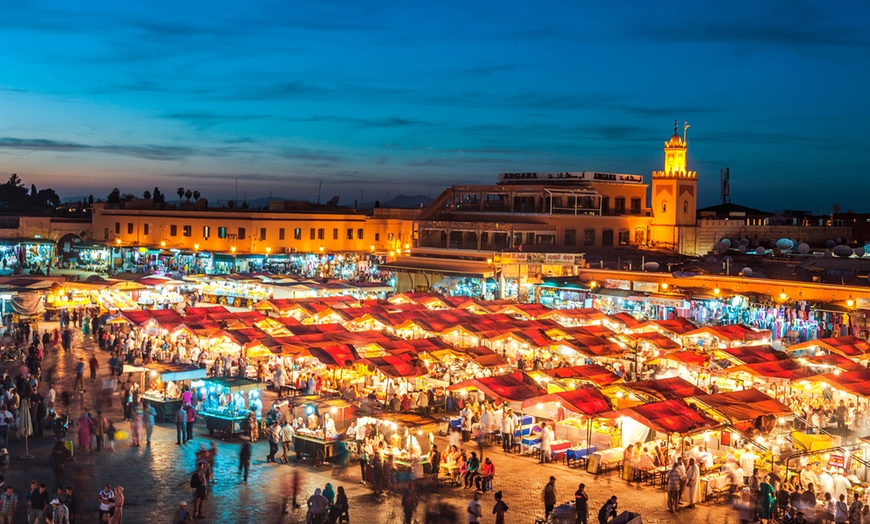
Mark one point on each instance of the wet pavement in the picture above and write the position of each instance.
(156, 477)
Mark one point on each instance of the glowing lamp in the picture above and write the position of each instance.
(782, 295)
(716, 291)
(850, 302)
(664, 286)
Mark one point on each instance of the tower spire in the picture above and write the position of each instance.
(676, 126)
(686, 127)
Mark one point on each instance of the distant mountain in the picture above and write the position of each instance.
(402, 201)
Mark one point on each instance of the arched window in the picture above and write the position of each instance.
(685, 206)
(664, 207)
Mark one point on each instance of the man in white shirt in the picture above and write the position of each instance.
(5, 425)
(826, 483)
(475, 512)
(841, 485)
(50, 397)
(747, 464)
(546, 442)
(287, 439)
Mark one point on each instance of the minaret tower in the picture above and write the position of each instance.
(674, 197)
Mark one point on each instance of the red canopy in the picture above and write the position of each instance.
(744, 406)
(832, 360)
(855, 382)
(687, 357)
(397, 366)
(849, 346)
(595, 373)
(515, 387)
(586, 400)
(786, 369)
(754, 354)
(669, 416)
(665, 389)
(338, 356)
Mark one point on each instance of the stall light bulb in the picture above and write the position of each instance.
(333, 411)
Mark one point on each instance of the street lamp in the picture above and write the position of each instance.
(850, 301)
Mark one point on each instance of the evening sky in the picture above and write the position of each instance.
(374, 99)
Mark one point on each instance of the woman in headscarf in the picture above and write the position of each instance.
(86, 427)
(766, 500)
(117, 506)
(317, 506)
(339, 509)
(329, 493)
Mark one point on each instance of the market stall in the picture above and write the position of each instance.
(164, 386)
(225, 403)
(573, 413)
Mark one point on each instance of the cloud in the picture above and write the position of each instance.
(149, 152)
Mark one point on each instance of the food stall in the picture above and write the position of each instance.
(164, 386)
(322, 423)
(225, 403)
(572, 412)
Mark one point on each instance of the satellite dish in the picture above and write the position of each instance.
(728, 259)
(784, 243)
(829, 254)
(744, 241)
(830, 244)
(755, 243)
(651, 266)
(711, 260)
(726, 241)
(843, 251)
(803, 248)
(742, 249)
(867, 248)
(760, 251)
(839, 240)
(859, 252)
(746, 272)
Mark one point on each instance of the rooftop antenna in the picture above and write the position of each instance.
(725, 185)
(319, 187)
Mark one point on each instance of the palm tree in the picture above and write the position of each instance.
(196, 196)
(180, 194)
(188, 194)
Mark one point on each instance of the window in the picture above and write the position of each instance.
(281, 233)
(106, 233)
(262, 233)
(297, 233)
(335, 233)
(377, 237)
(570, 237)
(607, 237)
(117, 228)
(359, 234)
(685, 206)
(619, 205)
(241, 233)
(589, 237)
(129, 228)
(639, 236)
(605, 205)
(320, 233)
(222, 232)
(664, 207)
(188, 231)
(350, 233)
(623, 237)
(173, 230)
(312, 233)
(635, 206)
(390, 236)
(206, 232)
(146, 228)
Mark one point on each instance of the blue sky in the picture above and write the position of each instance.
(409, 97)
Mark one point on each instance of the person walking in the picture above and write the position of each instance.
(182, 516)
(117, 506)
(245, 459)
(581, 502)
(675, 480)
(86, 427)
(8, 505)
(499, 509)
(58, 514)
(409, 503)
(693, 485)
(72, 504)
(191, 418)
(339, 510)
(549, 497)
(150, 417)
(94, 365)
(198, 483)
(180, 426)
(99, 429)
(273, 433)
(474, 510)
(104, 497)
(287, 440)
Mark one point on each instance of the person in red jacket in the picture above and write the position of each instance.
(191, 418)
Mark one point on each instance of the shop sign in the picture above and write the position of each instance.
(668, 302)
(570, 176)
(513, 257)
(617, 284)
(837, 461)
(862, 303)
(645, 287)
